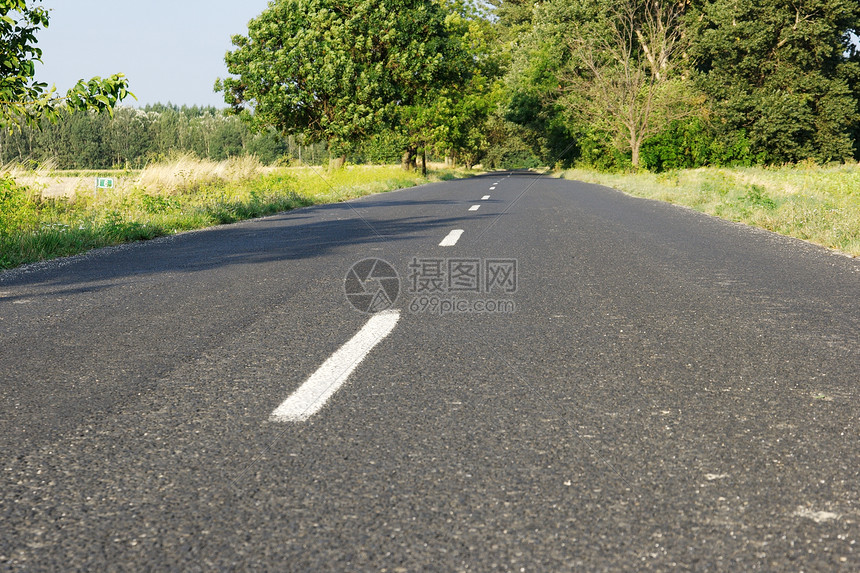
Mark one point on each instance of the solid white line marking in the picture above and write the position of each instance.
(474, 207)
(485, 197)
(311, 396)
(451, 239)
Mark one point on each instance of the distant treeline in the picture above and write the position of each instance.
(135, 137)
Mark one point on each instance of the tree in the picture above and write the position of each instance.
(514, 17)
(785, 74)
(622, 75)
(23, 101)
(337, 70)
(533, 112)
(451, 116)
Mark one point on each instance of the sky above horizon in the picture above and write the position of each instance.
(171, 51)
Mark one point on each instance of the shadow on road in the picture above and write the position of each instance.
(293, 235)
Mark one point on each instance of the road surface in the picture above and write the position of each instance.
(567, 378)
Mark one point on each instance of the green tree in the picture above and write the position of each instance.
(783, 74)
(514, 18)
(337, 70)
(506, 145)
(128, 139)
(537, 42)
(623, 75)
(23, 101)
(268, 146)
(451, 117)
(228, 138)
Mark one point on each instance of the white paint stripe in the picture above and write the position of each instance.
(492, 188)
(311, 396)
(485, 197)
(474, 207)
(451, 239)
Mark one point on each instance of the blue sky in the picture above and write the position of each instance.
(170, 50)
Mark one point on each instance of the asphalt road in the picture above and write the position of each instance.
(657, 389)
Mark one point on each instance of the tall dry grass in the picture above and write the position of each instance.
(809, 202)
(181, 174)
(44, 179)
(187, 173)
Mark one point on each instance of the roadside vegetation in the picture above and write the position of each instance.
(816, 204)
(163, 199)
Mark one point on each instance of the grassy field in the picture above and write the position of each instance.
(47, 214)
(816, 204)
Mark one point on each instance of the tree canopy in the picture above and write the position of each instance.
(338, 70)
(784, 74)
(776, 82)
(24, 101)
(622, 74)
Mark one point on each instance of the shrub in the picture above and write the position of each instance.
(693, 143)
(18, 211)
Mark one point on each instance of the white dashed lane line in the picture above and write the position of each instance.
(451, 239)
(311, 396)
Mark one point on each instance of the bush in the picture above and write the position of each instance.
(596, 152)
(18, 211)
(693, 143)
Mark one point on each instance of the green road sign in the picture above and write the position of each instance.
(104, 183)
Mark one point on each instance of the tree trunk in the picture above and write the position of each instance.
(424, 163)
(407, 161)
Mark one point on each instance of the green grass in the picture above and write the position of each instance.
(817, 204)
(35, 228)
